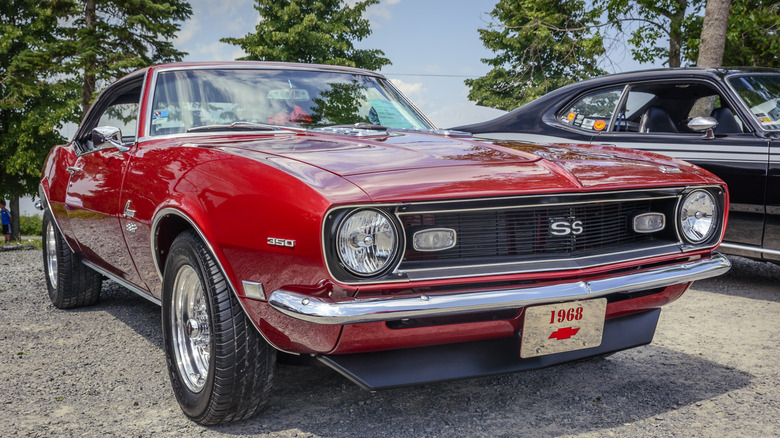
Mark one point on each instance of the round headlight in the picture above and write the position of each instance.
(366, 242)
(698, 216)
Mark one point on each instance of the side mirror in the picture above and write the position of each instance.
(704, 124)
(108, 137)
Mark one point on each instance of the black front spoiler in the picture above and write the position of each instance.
(413, 366)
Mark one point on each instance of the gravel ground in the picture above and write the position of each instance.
(712, 370)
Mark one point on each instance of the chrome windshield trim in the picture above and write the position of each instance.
(152, 83)
(323, 311)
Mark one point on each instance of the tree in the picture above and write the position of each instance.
(713, 33)
(539, 46)
(657, 20)
(752, 35)
(109, 38)
(33, 101)
(311, 31)
(53, 56)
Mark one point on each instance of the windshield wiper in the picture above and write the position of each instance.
(366, 126)
(245, 126)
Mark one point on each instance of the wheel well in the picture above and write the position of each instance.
(167, 229)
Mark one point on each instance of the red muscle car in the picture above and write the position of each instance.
(312, 210)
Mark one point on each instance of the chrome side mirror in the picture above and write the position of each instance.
(108, 137)
(704, 124)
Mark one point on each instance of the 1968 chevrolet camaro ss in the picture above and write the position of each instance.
(313, 210)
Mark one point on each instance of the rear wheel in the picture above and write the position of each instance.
(70, 282)
(220, 368)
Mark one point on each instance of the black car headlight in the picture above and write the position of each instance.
(366, 242)
(698, 216)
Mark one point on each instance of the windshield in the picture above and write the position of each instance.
(187, 99)
(760, 93)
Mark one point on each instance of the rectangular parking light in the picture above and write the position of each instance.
(649, 222)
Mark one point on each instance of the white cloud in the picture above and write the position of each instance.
(382, 11)
(216, 51)
(188, 30)
(413, 91)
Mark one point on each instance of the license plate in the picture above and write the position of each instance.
(556, 328)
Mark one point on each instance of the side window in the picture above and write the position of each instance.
(123, 116)
(668, 107)
(592, 111)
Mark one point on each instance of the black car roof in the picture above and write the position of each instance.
(525, 118)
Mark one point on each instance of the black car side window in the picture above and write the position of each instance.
(668, 107)
(593, 111)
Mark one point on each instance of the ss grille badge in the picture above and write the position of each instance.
(566, 226)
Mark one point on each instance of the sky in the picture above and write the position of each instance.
(433, 45)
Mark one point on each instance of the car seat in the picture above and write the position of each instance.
(727, 123)
(656, 119)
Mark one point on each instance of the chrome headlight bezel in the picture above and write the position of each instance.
(699, 217)
(354, 254)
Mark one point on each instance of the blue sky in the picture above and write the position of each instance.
(433, 44)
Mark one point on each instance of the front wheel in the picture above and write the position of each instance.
(220, 368)
(70, 282)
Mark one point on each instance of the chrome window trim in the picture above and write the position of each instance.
(176, 212)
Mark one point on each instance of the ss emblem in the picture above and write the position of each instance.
(565, 226)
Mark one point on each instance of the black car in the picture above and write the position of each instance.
(724, 120)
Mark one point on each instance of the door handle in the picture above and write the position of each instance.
(73, 170)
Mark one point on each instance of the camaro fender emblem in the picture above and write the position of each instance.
(563, 226)
(273, 241)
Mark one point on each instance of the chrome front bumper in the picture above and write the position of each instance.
(360, 310)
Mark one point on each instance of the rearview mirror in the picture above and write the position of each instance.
(108, 137)
(704, 124)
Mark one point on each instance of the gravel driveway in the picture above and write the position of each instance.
(712, 370)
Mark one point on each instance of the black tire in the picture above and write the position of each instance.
(70, 283)
(210, 335)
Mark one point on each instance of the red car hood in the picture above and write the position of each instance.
(426, 166)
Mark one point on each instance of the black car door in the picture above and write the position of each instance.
(739, 159)
(772, 228)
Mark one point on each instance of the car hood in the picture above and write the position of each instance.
(427, 166)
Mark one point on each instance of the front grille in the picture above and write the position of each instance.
(525, 232)
(514, 235)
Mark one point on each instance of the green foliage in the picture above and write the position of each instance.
(52, 57)
(30, 225)
(752, 37)
(651, 21)
(106, 39)
(539, 46)
(34, 102)
(320, 32)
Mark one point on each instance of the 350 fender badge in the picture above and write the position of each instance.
(273, 241)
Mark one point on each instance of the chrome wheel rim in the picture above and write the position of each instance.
(190, 328)
(51, 254)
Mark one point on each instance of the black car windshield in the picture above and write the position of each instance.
(218, 98)
(760, 93)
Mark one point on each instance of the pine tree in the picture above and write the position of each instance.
(319, 32)
(540, 45)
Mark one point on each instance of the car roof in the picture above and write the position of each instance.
(526, 117)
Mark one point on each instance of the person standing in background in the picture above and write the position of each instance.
(6, 220)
